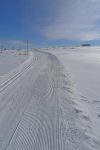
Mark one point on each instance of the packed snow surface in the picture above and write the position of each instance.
(51, 101)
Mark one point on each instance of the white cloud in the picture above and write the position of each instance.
(91, 36)
(76, 20)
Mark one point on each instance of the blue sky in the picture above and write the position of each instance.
(49, 22)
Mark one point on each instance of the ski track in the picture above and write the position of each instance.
(36, 113)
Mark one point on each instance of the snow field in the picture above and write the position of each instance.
(38, 111)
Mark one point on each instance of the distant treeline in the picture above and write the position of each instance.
(86, 45)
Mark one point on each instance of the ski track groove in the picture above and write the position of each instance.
(22, 97)
(10, 80)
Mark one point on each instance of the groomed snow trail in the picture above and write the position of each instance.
(36, 110)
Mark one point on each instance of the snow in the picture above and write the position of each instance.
(83, 65)
(46, 102)
(10, 59)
